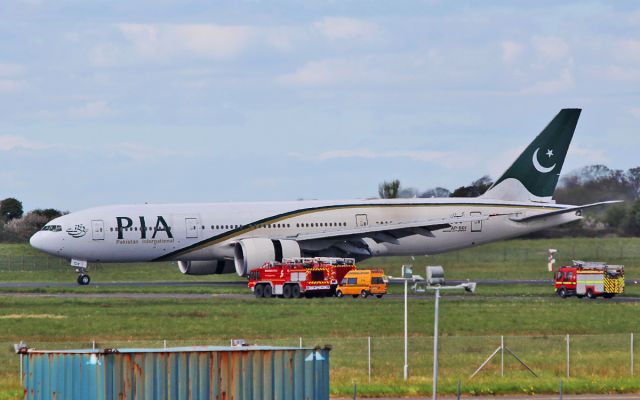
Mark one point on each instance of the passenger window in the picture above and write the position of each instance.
(352, 281)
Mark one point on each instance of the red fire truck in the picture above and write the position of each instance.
(297, 277)
(591, 279)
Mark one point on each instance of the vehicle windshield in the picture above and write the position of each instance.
(52, 228)
(377, 280)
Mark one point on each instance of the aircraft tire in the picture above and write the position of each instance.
(83, 279)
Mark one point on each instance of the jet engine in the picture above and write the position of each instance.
(206, 267)
(250, 254)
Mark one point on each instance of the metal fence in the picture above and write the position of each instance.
(365, 360)
(611, 251)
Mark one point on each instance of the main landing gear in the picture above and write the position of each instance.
(81, 268)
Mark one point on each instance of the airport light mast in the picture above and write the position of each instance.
(435, 280)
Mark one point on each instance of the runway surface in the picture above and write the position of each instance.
(248, 295)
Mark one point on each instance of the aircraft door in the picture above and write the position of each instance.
(192, 228)
(361, 220)
(476, 226)
(97, 229)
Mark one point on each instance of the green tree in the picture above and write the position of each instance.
(389, 190)
(633, 219)
(477, 187)
(11, 208)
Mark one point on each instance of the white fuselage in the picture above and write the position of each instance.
(192, 232)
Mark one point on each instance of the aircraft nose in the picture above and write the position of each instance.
(40, 242)
(36, 241)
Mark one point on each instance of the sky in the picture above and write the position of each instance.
(110, 102)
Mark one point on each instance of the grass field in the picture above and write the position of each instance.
(533, 320)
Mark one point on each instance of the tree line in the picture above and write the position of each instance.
(16, 226)
(586, 185)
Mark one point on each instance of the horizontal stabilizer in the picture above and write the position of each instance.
(564, 211)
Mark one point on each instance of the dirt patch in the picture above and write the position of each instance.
(38, 316)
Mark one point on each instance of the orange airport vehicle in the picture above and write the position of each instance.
(591, 279)
(297, 277)
(363, 282)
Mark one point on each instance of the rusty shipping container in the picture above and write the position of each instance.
(247, 372)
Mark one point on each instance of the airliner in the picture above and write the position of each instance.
(219, 238)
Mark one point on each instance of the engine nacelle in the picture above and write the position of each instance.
(250, 254)
(212, 267)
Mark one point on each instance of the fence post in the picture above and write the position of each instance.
(502, 356)
(369, 354)
(568, 370)
(632, 354)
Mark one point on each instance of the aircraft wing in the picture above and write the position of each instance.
(389, 233)
(563, 211)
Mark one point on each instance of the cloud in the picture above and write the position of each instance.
(142, 152)
(202, 40)
(343, 28)
(11, 142)
(92, 109)
(511, 51)
(560, 84)
(622, 73)
(627, 50)
(635, 111)
(550, 48)
(587, 156)
(11, 85)
(414, 155)
(10, 69)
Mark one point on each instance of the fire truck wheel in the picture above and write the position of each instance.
(268, 292)
(286, 291)
(295, 291)
(590, 294)
(339, 293)
(608, 295)
(364, 294)
(562, 292)
(259, 290)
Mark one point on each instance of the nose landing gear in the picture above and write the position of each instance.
(83, 279)
(81, 269)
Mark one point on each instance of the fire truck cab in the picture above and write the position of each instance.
(297, 277)
(591, 279)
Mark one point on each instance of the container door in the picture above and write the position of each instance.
(361, 220)
(192, 228)
(97, 229)
(476, 226)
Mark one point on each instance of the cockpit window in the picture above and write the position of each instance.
(52, 228)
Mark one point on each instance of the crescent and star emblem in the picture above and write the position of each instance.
(539, 167)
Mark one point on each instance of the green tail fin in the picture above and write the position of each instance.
(538, 168)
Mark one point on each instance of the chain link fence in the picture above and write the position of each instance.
(380, 360)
